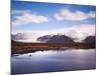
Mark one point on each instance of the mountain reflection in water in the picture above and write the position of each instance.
(52, 61)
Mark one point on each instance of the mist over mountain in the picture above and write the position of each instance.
(76, 33)
(33, 37)
(19, 36)
(60, 37)
(24, 37)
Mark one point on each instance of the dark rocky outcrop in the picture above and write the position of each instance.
(56, 39)
(90, 39)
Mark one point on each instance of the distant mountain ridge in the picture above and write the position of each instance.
(90, 39)
(18, 36)
(56, 39)
(44, 38)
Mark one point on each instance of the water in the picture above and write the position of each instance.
(52, 61)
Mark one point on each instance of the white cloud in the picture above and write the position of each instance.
(92, 14)
(66, 14)
(27, 17)
(81, 32)
(20, 11)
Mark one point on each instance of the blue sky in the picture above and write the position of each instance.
(38, 16)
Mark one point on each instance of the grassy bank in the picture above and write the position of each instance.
(18, 47)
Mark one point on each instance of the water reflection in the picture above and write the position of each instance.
(48, 61)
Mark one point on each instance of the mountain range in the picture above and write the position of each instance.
(57, 38)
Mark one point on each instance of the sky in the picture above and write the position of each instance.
(53, 18)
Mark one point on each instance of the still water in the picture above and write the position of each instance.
(52, 61)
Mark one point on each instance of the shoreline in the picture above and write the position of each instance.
(20, 48)
(31, 51)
